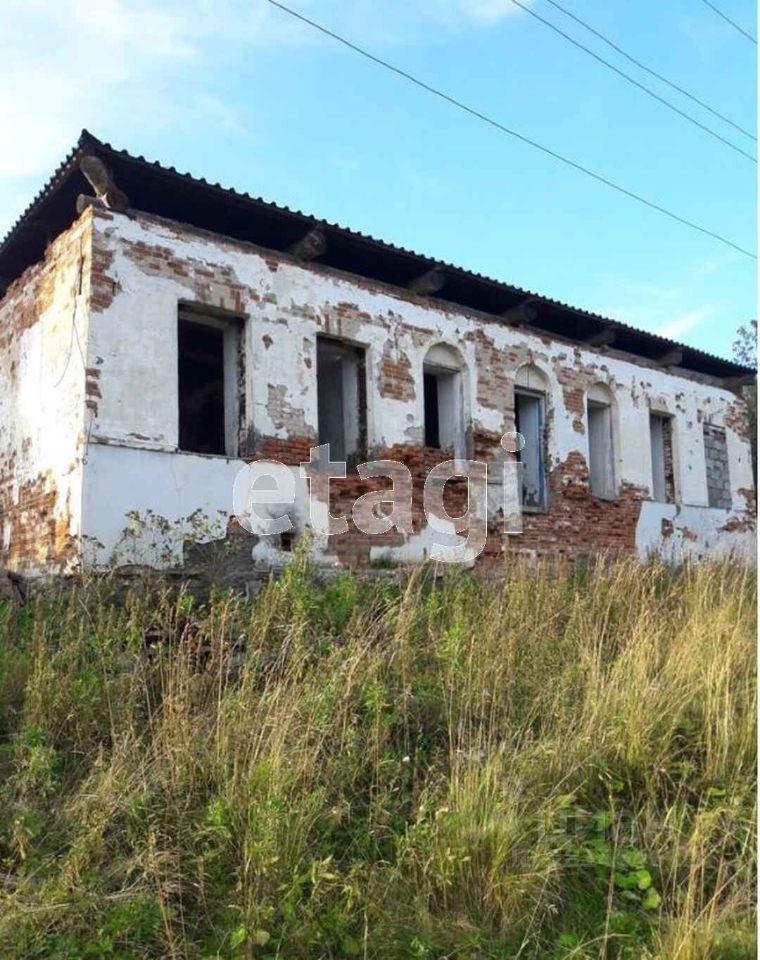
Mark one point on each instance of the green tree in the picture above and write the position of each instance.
(745, 345)
(745, 352)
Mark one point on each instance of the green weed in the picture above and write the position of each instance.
(561, 765)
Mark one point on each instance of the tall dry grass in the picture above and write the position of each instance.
(559, 766)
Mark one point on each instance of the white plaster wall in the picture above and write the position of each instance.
(697, 533)
(140, 505)
(133, 343)
(131, 494)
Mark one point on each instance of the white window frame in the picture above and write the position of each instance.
(602, 446)
(446, 364)
(657, 419)
(353, 396)
(537, 448)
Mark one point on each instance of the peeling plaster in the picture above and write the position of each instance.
(44, 383)
(123, 399)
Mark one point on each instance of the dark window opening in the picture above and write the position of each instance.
(341, 399)
(209, 384)
(432, 423)
(442, 396)
(201, 388)
(287, 541)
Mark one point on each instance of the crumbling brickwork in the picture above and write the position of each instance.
(288, 305)
(36, 528)
(576, 523)
(43, 322)
(121, 465)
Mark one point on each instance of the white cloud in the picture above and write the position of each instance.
(687, 322)
(688, 309)
(61, 63)
(68, 64)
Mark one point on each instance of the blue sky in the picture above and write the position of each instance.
(236, 91)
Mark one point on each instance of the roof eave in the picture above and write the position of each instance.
(22, 243)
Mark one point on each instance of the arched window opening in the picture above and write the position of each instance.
(443, 399)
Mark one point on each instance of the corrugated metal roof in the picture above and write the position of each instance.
(165, 191)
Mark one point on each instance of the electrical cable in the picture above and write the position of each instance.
(514, 133)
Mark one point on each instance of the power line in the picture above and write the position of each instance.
(729, 20)
(512, 133)
(633, 80)
(649, 70)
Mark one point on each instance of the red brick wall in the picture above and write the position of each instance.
(574, 524)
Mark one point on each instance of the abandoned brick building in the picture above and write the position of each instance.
(158, 331)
